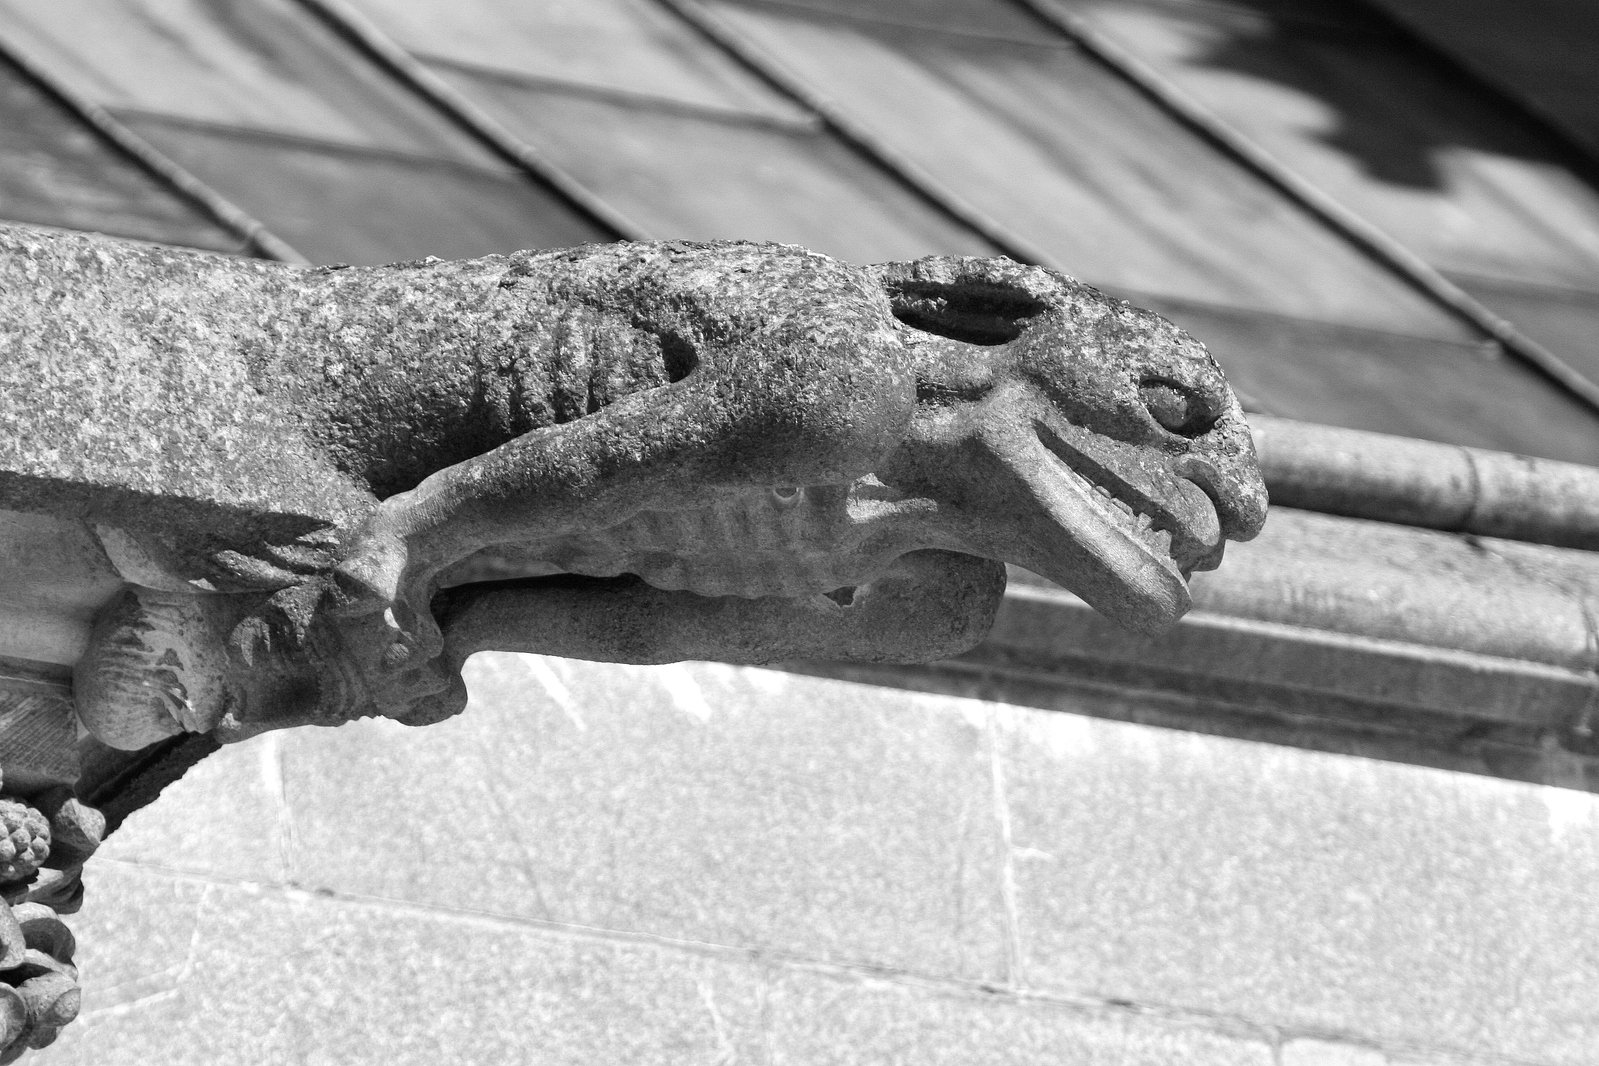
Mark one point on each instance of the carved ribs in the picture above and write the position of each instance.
(785, 541)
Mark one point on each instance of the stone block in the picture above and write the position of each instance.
(283, 976)
(280, 975)
(223, 818)
(1311, 1052)
(1401, 905)
(697, 802)
(849, 1022)
(136, 934)
(1327, 1053)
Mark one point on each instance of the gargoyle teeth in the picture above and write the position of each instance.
(1134, 522)
(1142, 525)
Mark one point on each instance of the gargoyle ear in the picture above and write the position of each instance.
(947, 297)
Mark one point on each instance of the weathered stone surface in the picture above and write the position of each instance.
(702, 802)
(835, 456)
(137, 936)
(1314, 1052)
(37, 734)
(54, 578)
(635, 453)
(853, 1022)
(1400, 905)
(1163, 868)
(274, 976)
(284, 977)
(1327, 1053)
(225, 818)
(127, 383)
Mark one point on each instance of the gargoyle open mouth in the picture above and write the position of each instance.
(1150, 527)
(1115, 546)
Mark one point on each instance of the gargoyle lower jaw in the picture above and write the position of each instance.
(1177, 521)
(1108, 550)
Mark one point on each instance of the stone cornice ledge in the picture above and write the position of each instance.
(1352, 634)
(1376, 637)
(1468, 628)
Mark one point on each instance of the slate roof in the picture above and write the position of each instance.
(1378, 215)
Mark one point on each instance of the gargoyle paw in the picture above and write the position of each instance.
(416, 635)
(380, 574)
(370, 576)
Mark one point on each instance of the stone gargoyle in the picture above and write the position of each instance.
(262, 496)
(634, 452)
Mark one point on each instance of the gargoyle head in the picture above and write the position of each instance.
(1070, 433)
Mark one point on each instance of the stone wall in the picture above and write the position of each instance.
(709, 864)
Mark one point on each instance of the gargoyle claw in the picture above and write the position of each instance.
(416, 638)
(369, 579)
(381, 574)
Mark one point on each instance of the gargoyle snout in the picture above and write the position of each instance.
(1183, 390)
(1236, 490)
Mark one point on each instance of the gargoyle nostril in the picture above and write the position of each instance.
(1176, 407)
(972, 311)
(1240, 502)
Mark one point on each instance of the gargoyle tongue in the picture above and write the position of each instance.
(1059, 530)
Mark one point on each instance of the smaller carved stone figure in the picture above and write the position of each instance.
(632, 452)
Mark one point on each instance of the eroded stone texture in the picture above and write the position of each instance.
(632, 452)
(308, 495)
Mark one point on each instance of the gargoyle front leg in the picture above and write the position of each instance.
(816, 417)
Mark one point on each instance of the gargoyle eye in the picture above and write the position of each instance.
(1176, 407)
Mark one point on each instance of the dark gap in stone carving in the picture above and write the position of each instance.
(973, 312)
(844, 597)
(678, 356)
(447, 598)
(447, 602)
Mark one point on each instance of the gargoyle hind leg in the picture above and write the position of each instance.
(927, 605)
(677, 447)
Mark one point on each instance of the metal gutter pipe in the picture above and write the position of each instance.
(1424, 483)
